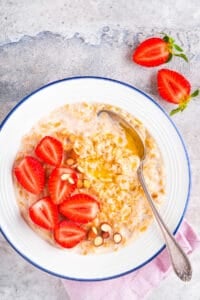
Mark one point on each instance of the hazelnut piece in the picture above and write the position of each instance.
(106, 230)
(98, 241)
(117, 237)
(92, 233)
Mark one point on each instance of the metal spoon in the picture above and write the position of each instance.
(179, 259)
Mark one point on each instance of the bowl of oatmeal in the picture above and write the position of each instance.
(68, 179)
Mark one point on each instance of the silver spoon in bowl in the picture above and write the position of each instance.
(178, 258)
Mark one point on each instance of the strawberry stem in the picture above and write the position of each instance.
(174, 111)
(181, 55)
(178, 48)
(183, 105)
(195, 93)
(173, 46)
(170, 57)
(180, 108)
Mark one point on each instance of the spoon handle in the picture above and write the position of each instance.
(179, 259)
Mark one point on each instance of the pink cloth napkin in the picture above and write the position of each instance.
(136, 285)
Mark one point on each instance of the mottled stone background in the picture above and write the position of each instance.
(43, 41)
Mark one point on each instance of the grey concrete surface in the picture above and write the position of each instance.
(42, 41)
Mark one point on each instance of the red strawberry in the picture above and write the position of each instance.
(156, 51)
(175, 88)
(62, 182)
(30, 174)
(50, 150)
(68, 234)
(44, 213)
(80, 208)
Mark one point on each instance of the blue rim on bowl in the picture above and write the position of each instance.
(181, 140)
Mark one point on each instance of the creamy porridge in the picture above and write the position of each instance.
(76, 182)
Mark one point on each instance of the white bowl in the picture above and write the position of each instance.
(67, 264)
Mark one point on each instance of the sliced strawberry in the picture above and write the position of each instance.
(44, 213)
(68, 234)
(156, 51)
(50, 150)
(151, 52)
(62, 182)
(30, 174)
(81, 208)
(175, 88)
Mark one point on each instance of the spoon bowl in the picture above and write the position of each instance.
(179, 260)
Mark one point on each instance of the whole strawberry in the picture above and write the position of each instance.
(156, 51)
(175, 88)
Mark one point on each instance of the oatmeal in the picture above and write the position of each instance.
(76, 181)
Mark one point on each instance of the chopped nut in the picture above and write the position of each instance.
(106, 230)
(117, 237)
(80, 169)
(65, 176)
(98, 241)
(106, 227)
(92, 233)
(70, 161)
(105, 234)
(71, 180)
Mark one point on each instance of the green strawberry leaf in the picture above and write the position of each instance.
(174, 111)
(178, 48)
(182, 55)
(170, 57)
(195, 93)
(166, 38)
(171, 40)
(181, 107)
